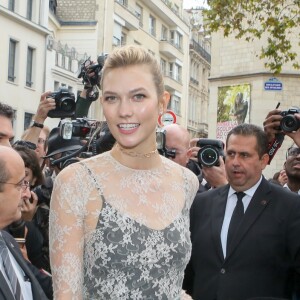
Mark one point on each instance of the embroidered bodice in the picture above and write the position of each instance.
(120, 233)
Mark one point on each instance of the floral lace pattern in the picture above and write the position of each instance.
(126, 241)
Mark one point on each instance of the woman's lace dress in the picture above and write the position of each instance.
(120, 233)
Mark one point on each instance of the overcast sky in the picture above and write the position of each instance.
(193, 3)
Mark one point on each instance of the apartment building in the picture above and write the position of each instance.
(200, 60)
(64, 33)
(162, 27)
(23, 56)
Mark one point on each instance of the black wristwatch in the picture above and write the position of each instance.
(35, 124)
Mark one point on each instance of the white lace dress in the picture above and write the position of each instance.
(120, 233)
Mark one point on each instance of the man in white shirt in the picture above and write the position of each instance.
(259, 256)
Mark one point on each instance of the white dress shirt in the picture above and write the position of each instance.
(230, 206)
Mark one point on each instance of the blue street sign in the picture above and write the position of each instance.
(273, 84)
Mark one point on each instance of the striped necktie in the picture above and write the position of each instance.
(9, 270)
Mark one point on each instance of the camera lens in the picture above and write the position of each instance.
(67, 104)
(289, 123)
(208, 156)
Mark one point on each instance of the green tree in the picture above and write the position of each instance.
(251, 19)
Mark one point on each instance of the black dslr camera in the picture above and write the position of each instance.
(65, 104)
(92, 82)
(210, 150)
(289, 122)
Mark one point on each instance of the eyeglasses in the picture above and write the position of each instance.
(293, 151)
(22, 185)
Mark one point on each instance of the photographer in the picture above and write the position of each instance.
(214, 175)
(272, 126)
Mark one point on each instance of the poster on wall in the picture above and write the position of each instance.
(233, 108)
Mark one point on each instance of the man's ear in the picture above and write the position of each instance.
(189, 153)
(264, 160)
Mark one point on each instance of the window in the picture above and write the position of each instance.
(176, 39)
(12, 60)
(175, 71)
(164, 33)
(152, 29)
(123, 2)
(175, 104)
(163, 66)
(29, 9)
(117, 34)
(56, 58)
(123, 38)
(11, 5)
(27, 120)
(56, 85)
(30, 53)
(139, 13)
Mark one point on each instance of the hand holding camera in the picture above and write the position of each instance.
(216, 175)
(283, 122)
(64, 104)
(46, 104)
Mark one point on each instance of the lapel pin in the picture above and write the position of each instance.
(263, 202)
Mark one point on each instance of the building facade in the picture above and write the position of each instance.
(23, 56)
(235, 63)
(59, 35)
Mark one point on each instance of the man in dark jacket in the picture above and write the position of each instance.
(19, 279)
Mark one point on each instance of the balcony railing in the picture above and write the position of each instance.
(199, 49)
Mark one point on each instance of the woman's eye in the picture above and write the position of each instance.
(139, 97)
(110, 98)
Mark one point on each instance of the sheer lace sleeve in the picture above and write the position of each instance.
(191, 185)
(66, 233)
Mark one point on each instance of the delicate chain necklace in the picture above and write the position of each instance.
(136, 154)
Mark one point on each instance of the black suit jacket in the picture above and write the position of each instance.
(265, 255)
(36, 278)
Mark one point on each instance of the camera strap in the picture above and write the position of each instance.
(275, 145)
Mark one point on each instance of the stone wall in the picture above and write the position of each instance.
(76, 10)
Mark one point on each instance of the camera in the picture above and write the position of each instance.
(65, 104)
(79, 127)
(161, 144)
(289, 122)
(92, 83)
(210, 151)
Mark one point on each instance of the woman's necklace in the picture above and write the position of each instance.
(137, 154)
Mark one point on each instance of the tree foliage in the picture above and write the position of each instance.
(251, 19)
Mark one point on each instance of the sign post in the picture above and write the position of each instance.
(169, 117)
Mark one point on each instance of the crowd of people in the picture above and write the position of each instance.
(130, 223)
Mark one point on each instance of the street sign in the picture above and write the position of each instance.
(169, 117)
(273, 84)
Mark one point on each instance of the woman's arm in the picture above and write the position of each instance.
(66, 235)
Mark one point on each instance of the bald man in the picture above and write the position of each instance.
(29, 279)
(178, 139)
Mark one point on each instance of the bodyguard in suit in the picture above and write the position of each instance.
(245, 246)
(18, 278)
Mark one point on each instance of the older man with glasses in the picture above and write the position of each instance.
(19, 279)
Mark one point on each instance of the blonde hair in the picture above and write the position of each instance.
(131, 55)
